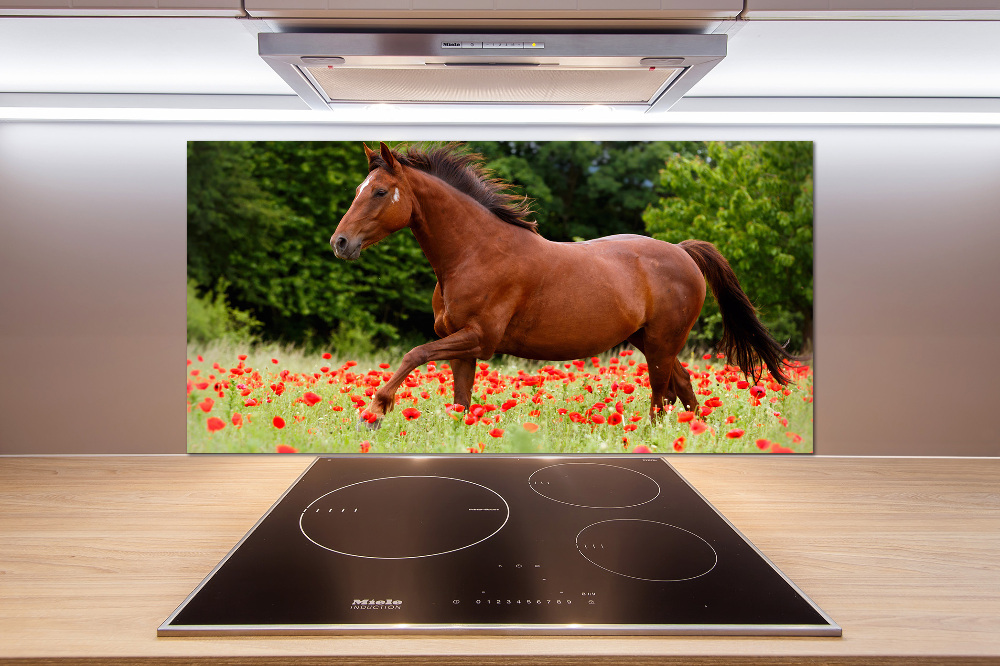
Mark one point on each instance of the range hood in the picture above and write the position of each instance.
(651, 71)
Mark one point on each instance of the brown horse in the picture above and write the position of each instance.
(502, 288)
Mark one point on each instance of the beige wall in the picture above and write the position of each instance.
(92, 268)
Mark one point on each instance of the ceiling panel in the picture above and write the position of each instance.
(859, 59)
(766, 58)
(133, 55)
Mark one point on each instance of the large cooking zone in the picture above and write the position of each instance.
(480, 544)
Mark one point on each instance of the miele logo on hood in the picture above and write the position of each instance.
(376, 604)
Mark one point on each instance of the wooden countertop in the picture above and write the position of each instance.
(904, 553)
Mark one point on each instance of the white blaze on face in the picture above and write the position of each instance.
(361, 188)
(395, 195)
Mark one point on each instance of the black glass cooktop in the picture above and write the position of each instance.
(502, 545)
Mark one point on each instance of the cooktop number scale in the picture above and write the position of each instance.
(495, 545)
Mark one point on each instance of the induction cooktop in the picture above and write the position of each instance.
(495, 545)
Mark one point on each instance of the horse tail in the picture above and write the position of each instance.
(745, 340)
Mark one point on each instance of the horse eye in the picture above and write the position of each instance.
(381, 193)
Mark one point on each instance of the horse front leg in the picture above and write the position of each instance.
(463, 344)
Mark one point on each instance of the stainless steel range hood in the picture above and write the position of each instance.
(645, 70)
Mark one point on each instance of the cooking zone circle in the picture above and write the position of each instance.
(594, 485)
(646, 550)
(404, 517)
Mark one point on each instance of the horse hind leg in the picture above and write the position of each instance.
(680, 383)
(661, 381)
(660, 384)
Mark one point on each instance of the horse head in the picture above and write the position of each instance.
(382, 205)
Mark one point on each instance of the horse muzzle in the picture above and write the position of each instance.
(345, 249)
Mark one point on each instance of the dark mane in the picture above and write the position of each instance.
(466, 173)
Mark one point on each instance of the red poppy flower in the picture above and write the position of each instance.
(458, 409)
(278, 422)
(242, 357)
(714, 402)
(698, 427)
(384, 366)
(763, 444)
(470, 419)
(705, 411)
(201, 386)
(274, 360)
(778, 448)
(735, 433)
(530, 427)
(328, 356)
(627, 388)
(402, 433)
(284, 448)
(215, 423)
(795, 437)
(366, 446)
(311, 398)
(679, 444)
(206, 404)
(507, 405)
(684, 417)
(757, 392)
(411, 413)
(597, 418)
(250, 403)
(642, 448)
(496, 432)
(237, 419)
(630, 427)
(614, 418)
(742, 384)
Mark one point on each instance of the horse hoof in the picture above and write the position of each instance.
(364, 424)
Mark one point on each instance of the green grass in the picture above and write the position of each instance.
(332, 425)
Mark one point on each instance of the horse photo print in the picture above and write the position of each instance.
(500, 297)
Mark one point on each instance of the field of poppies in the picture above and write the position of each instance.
(280, 401)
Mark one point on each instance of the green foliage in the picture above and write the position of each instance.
(754, 201)
(584, 189)
(211, 318)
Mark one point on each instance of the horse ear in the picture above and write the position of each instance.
(368, 152)
(387, 156)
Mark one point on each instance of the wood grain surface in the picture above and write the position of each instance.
(904, 553)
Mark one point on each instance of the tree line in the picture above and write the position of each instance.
(260, 216)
